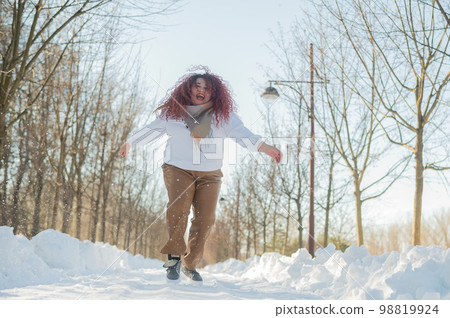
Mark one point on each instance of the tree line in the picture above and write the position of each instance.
(68, 98)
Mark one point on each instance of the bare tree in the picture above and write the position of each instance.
(293, 177)
(349, 128)
(334, 193)
(410, 40)
(351, 131)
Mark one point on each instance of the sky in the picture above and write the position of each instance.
(231, 38)
(227, 36)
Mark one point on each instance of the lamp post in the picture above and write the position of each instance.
(269, 95)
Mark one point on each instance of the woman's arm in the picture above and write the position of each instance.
(249, 140)
(271, 151)
(147, 134)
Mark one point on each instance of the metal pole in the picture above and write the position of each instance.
(311, 159)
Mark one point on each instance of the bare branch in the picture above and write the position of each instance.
(435, 167)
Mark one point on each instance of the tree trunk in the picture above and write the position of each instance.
(106, 186)
(37, 201)
(16, 211)
(358, 202)
(127, 239)
(68, 195)
(3, 136)
(236, 224)
(55, 206)
(286, 233)
(274, 229)
(141, 248)
(6, 76)
(59, 181)
(328, 203)
(95, 214)
(418, 192)
(249, 227)
(79, 210)
(68, 205)
(255, 235)
(103, 222)
(136, 231)
(300, 223)
(264, 232)
(24, 158)
(4, 195)
(119, 218)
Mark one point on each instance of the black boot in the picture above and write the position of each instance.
(173, 267)
(194, 275)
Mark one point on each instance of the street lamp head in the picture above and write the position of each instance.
(269, 95)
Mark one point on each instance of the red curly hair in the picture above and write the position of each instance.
(179, 95)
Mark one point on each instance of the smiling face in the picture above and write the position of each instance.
(200, 92)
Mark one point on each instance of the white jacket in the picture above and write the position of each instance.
(183, 152)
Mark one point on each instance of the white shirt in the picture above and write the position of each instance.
(181, 148)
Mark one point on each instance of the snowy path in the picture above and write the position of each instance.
(152, 284)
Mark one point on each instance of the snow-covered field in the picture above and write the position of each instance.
(53, 265)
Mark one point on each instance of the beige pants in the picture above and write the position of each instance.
(185, 188)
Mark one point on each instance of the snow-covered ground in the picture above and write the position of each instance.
(53, 265)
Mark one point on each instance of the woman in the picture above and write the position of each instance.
(197, 115)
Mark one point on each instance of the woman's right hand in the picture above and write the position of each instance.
(124, 149)
(271, 151)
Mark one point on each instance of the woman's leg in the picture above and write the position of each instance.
(180, 185)
(205, 200)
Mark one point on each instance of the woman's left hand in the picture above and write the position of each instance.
(271, 151)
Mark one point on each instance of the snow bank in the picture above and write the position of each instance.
(51, 256)
(19, 264)
(418, 273)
